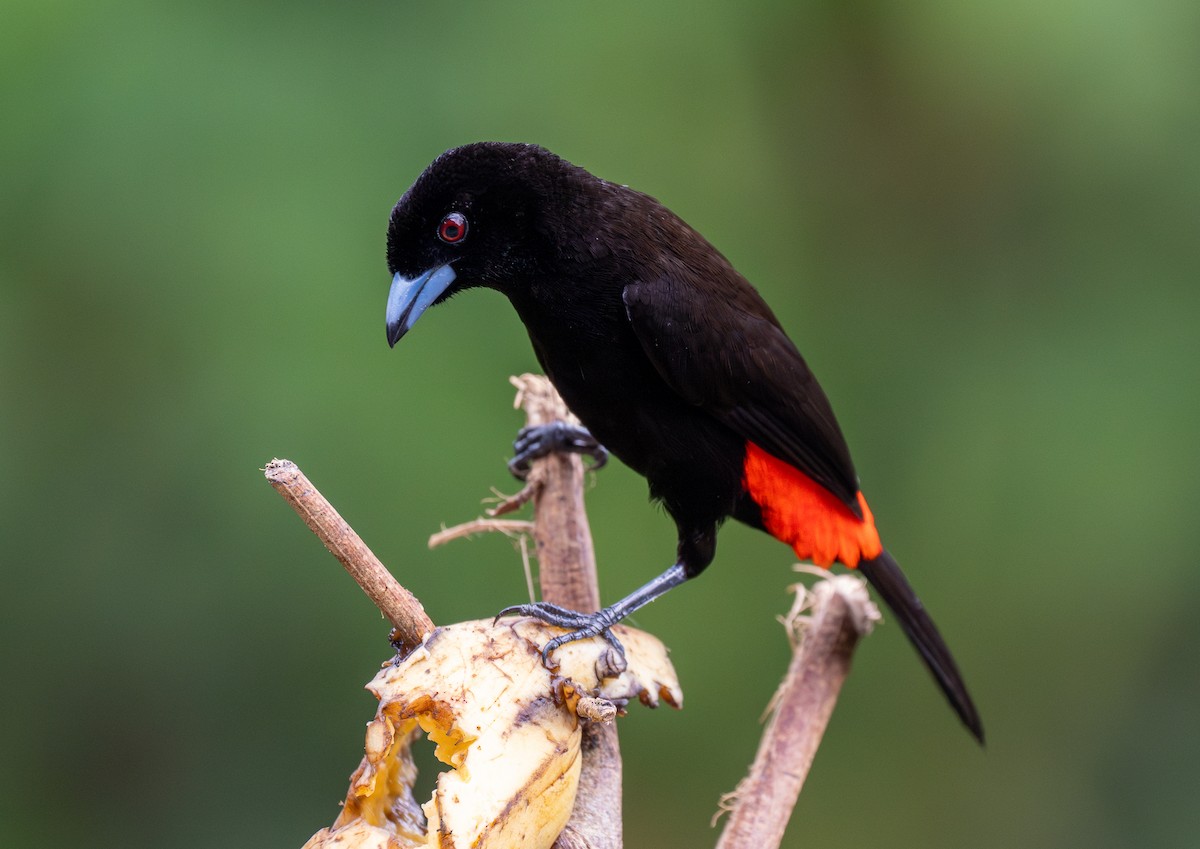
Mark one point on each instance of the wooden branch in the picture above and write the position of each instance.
(842, 613)
(567, 573)
(562, 536)
(397, 604)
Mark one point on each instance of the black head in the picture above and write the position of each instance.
(473, 218)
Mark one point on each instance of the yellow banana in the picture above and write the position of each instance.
(506, 726)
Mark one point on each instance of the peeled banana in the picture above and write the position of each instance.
(507, 727)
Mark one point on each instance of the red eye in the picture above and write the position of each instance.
(453, 228)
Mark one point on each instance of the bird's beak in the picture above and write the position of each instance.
(411, 296)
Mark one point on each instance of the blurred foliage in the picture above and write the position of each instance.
(978, 221)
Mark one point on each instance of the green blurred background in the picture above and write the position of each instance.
(980, 223)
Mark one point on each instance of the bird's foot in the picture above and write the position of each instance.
(539, 440)
(582, 626)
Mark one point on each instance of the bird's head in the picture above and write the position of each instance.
(471, 219)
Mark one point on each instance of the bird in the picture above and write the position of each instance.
(668, 356)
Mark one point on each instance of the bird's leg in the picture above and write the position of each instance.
(539, 440)
(584, 625)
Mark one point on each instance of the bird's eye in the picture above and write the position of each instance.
(453, 228)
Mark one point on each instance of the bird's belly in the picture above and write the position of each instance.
(691, 461)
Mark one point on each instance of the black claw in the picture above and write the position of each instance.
(612, 663)
(547, 661)
(539, 440)
(615, 644)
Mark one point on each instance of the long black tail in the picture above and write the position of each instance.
(885, 576)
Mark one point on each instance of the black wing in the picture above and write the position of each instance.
(718, 345)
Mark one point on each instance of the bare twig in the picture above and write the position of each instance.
(397, 604)
(842, 613)
(479, 526)
(567, 573)
(511, 503)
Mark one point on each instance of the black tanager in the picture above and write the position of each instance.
(667, 355)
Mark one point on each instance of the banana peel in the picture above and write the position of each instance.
(508, 727)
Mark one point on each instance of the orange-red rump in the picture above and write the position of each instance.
(808, 517)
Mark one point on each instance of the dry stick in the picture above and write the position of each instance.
(479, 526)
(842, 613)
(567, 572)
(397, 604)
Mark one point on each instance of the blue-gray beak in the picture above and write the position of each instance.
(409, 297)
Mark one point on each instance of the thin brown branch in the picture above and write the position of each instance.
(480, 526)
(841, 614)
(397, 604)
(512, 503)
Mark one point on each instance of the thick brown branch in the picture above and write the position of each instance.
(397, 604)
(567, 572)
(566, 559)
(842, 613)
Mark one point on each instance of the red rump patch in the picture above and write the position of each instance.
(808, 517)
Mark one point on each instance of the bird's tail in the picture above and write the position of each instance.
(885, 576)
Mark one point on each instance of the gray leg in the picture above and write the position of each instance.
(584, 625)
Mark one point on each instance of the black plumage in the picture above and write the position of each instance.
(665, 352)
